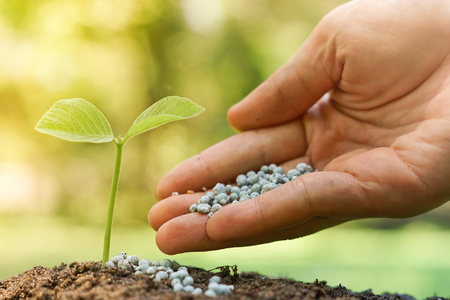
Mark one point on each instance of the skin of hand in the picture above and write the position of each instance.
(365, 100)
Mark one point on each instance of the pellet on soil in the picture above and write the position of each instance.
(87, 280)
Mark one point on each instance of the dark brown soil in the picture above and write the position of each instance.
(88, 280)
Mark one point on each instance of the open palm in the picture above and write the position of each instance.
(366, 100)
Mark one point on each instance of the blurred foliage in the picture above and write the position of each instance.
(123, 56)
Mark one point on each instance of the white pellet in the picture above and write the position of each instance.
(210, 293)
(188, 288)
(178, 287)
(215, 279)
(188, 280)
(175, 281)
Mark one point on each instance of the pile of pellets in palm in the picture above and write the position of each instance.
(168, 270)
(249, 186)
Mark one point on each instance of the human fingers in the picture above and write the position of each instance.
(336, 196)
(178, 205)
(188, 233)
(311, 202)
(170, 208)
(368, 183)
(237, 154)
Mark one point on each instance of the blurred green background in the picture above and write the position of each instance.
(125, 55)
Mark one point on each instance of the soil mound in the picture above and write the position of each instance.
(88, 280)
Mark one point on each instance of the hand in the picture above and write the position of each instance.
(380, 136)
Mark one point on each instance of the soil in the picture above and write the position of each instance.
(88, 280)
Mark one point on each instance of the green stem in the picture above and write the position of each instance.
(112, 200)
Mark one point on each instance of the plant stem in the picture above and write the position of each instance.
(112, 200)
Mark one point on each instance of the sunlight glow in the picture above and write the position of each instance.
(22, 190)
(203, 16)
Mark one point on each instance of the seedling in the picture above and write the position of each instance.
(78, 120)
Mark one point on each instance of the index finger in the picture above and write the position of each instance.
(309, 203)
(233, 156)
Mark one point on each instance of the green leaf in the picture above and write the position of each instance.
(166, 110)
(76, 120)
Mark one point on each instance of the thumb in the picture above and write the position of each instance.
(295, 87)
